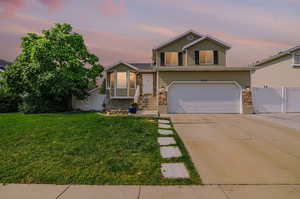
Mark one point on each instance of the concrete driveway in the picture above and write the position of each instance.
(239, 149)
(291, 120)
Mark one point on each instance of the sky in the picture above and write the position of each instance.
(127, 30)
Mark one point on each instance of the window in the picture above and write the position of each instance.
(112, 80)
(297, 59)
(171, 58)
(206, 57)
(121, 80)
(132, 80)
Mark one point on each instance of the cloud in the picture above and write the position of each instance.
(112, 7)
(157, 29)
(9, 7)
(52, 5)
(109, 47)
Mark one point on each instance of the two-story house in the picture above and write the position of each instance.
(188, 75)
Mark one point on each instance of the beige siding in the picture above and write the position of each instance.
(206, 45)
(242, 78)
(277, 73)
(175, 46)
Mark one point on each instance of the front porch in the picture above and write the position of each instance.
(127, 85)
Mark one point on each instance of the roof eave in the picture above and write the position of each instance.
(198, 68)
(228, 46)
(177, 37)
(121, 62)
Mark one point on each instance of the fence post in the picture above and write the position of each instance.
(283, 94)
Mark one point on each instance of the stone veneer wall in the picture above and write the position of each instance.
(162, 97)
(246, 99)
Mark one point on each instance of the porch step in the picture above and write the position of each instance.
(147, 102)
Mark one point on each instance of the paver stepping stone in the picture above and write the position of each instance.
(170, 152)
(174, 170)
(164, 121)
(166, 141)
(165, 132)
(164, 126)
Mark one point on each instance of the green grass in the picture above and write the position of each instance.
(83, 148)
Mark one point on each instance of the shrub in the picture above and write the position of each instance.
(34, 104)
(103, 87)
(9, 102)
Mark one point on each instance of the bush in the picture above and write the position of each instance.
(9, 102)
(103, 87)
(33, 104)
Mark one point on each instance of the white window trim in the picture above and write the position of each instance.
(127, 84)
(211, 63)
(166, 58)
(294, 57)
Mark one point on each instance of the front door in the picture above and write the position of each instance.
(147, 83)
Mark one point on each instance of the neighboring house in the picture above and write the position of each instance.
(188, 75)
(279, 70)
(276, 83)
(1, 70)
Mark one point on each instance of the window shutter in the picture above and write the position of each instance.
(216, 57)
(180, 61)
(162, 59)
(197, 61)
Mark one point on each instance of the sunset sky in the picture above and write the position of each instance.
(128, 29)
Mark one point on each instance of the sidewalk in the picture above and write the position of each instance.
(14, 191)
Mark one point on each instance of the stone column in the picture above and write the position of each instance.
(247, 101)
(162, 100)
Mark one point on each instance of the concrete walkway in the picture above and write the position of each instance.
(13, 191)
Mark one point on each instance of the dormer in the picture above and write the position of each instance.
(191, 49)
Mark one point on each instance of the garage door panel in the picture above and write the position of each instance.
(204, 98)
(293, 100)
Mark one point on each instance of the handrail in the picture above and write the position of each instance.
(137, 94)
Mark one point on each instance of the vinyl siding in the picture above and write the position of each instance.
(175, 46)
(277, 73)
(207, 45)
(188, 59)
(241, 77)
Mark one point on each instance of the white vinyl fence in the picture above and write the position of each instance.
(94, 102)
(276, 100)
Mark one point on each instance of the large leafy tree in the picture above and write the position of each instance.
(52, 67)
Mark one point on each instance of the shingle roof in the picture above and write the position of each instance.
(3, 63)
(280, 54)
(143, 66)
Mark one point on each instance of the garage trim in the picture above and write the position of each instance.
(211, 82)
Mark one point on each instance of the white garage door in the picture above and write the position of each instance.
(204, 98)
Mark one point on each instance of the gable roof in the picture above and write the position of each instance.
(177, 37)
(280, 54)
(120, 62)
(207, 37)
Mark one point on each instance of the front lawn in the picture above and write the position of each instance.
(82, 148)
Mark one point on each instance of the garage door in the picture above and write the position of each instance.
(204, 98)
